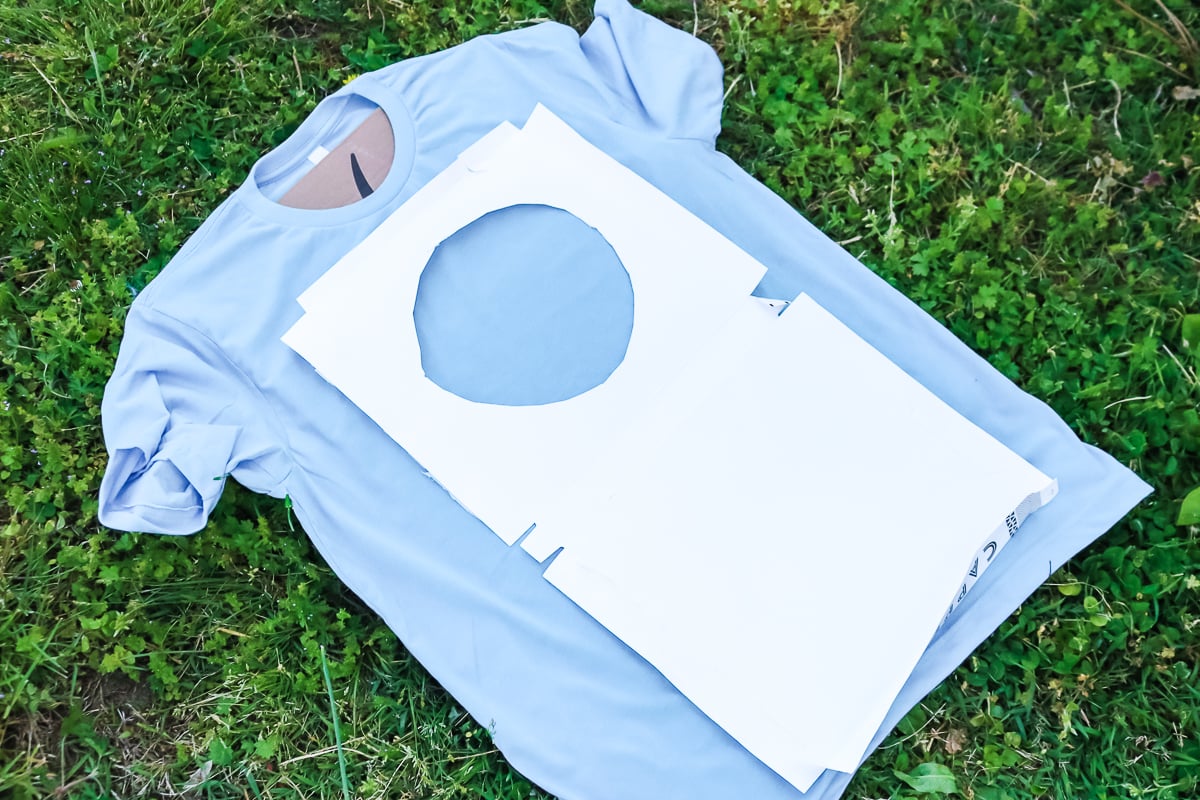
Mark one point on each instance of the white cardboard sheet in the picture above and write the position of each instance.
(760, 504)
(684, 287)
(785, 571)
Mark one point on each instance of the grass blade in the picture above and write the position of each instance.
(337, 730)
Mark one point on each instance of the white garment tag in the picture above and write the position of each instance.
(995, 543)
(317, 155)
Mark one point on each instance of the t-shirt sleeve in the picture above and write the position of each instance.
(177, 419)
(674, 78)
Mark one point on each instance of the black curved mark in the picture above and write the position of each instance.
(991, 548)
(360, 180)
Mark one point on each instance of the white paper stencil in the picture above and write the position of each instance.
(759, 503)
(503, 463)
(798, 516)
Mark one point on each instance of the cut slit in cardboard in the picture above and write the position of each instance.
(785, 578)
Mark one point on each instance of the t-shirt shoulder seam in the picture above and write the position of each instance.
(185, 252)
(243, 376)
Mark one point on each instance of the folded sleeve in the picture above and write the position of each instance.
(178, 418)
(675, 80)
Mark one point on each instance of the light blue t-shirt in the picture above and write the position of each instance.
(203, 388)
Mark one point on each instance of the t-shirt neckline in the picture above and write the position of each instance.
(297, 147)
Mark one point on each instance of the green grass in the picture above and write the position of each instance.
(1029, 174)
